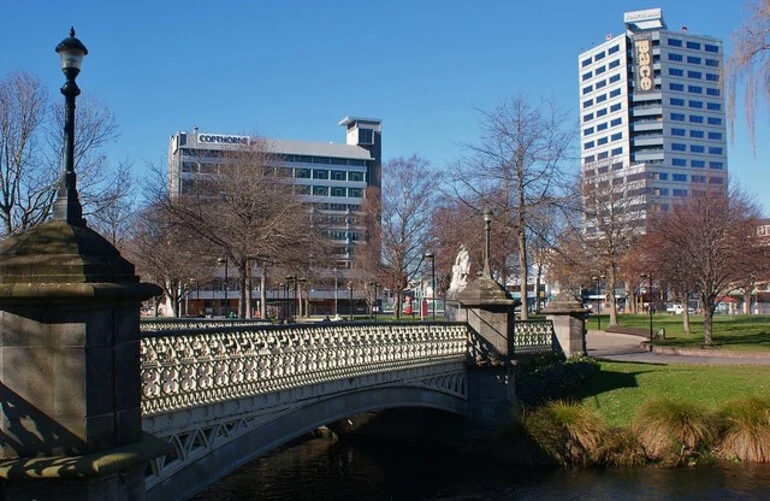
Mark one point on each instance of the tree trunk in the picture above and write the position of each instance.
(685, 318)
(708, 317)
(262, 291)
(524, 272)
(242, 305)
(613, 304)
(537, 289)
(747, 301)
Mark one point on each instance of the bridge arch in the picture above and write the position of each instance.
(212, 448)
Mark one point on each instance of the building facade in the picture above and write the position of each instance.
(333, 178)
(652, 113)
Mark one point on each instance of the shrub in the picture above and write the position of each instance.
(621, 447)
(568, 433)
(745, 430)
(544, 379)
(675, 433)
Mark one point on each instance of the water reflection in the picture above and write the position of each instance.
(323, 469)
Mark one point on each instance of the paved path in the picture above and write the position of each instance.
(626, 348)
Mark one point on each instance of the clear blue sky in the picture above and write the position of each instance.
(292, 69)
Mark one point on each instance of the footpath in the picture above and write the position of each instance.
(628, 348)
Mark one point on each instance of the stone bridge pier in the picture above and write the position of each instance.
(70, 400)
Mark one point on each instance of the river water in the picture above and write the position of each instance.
(322, 469)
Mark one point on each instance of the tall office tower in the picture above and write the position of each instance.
(652, 114)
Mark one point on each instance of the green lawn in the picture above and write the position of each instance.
(735, 333)
(621, 387)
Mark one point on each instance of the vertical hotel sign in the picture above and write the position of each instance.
(644, 81)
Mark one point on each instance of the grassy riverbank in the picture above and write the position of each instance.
(734, 333)
(632, 414)
(620, 388)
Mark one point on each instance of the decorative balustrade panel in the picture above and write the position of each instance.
(173, 324)
(533, 336)
(191, 368)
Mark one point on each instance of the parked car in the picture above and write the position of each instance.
(678, 309)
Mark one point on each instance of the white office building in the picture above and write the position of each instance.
(333, 178)
(653, 113)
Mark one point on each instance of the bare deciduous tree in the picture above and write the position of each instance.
(31, 149)
(710, 241)
(516, 168)
(408, 198)
(748, 67)
(250, 211)
(166, 255)
(613, 204)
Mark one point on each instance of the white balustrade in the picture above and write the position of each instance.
(191, 368)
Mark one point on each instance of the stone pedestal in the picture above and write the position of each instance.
(485, 306)
(568, 318)
(69, 366)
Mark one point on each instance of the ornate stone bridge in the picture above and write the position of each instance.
(221, 396)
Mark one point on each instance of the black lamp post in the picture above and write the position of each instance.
(487, 229)
(291, 284)
(223, 260)
(429, 255)
(598, 280)
(302, 297)
(350, 288)
(649, 275)
(67, 206)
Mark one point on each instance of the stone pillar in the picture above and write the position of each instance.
(568, 317)
(70, 390)
(485, 306)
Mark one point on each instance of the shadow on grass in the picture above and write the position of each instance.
(608, 380)
(760, 340)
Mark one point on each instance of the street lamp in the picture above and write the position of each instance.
(223, 260)
(350, 288)
(429, 255)
(649, 275)
(67, 206)
(487, 229)
(598, 280)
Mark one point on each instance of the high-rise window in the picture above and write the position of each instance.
(674, 42)
(693, 45)
(675, 72)
(673, 56)
(711, 48)
(693, 60)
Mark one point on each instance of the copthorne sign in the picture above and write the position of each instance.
(219, 139)
(643, 60)
(642, 15)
